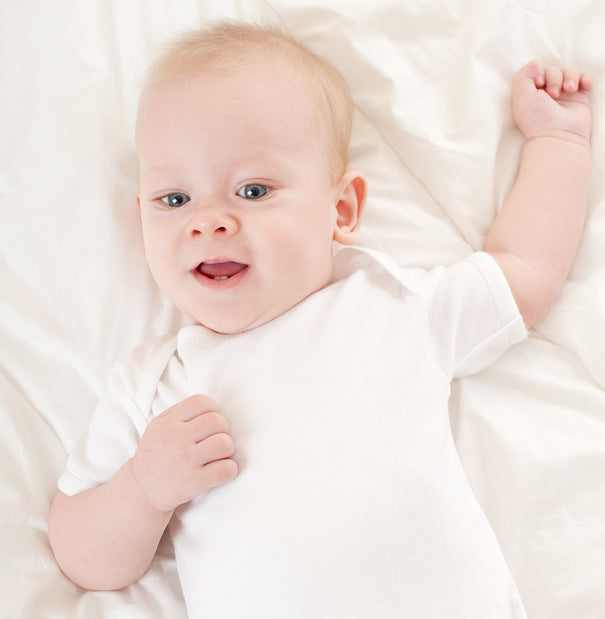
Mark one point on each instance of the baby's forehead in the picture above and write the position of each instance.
(254, 83)
(213, 81)
(247, 99)
(302, 75)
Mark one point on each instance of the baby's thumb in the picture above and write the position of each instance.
(531, 76)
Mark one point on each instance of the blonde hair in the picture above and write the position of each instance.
(227, 46)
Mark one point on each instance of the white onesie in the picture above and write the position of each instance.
(351, 501)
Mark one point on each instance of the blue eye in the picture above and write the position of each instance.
(175, 199)
(253, 192)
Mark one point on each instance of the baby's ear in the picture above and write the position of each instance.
(351, 199)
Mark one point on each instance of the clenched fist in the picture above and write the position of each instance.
(183, 452)
(552, 102)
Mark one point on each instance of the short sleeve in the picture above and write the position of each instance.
(471, 314)
(473, 317)
(119, 420)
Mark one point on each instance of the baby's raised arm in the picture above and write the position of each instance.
(536, 235)
(106, 537)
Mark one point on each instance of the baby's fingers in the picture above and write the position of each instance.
(568, 80)
(215, 474)
(215, 447)
(585, 81)
(553, 81)
(530, 77)
(571, 80)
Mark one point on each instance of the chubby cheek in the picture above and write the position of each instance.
(309, 261)
(158, 236)
(158, 255)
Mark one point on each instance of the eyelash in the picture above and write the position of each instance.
(168, 200)
(178, 199)
(247, 188)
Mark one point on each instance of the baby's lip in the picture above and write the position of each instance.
(220, 269)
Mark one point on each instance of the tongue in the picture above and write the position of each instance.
(221, 270)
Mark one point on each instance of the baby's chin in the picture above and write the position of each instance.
(225, 325)
(245, 316)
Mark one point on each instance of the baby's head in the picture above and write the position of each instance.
(242, 138)
(230, 47)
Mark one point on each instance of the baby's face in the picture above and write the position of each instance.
(237, 208)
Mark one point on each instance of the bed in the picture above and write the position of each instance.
(434, 134)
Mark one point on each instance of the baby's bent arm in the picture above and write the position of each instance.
(107, 536)
(536, 235)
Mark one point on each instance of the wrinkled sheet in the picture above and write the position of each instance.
(433, 131)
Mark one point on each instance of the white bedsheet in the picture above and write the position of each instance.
(433, 131)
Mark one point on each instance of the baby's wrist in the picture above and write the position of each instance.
(142, 492)
(562, 136)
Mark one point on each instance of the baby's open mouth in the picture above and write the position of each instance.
(220, 270)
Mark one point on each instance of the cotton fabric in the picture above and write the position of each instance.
(351, 500)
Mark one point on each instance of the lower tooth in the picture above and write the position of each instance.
(221, 277)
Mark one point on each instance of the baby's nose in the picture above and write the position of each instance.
(212, 220)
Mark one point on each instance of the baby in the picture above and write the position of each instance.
(331, 373)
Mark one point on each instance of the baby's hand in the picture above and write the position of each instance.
(183, 452)
(552, 102)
